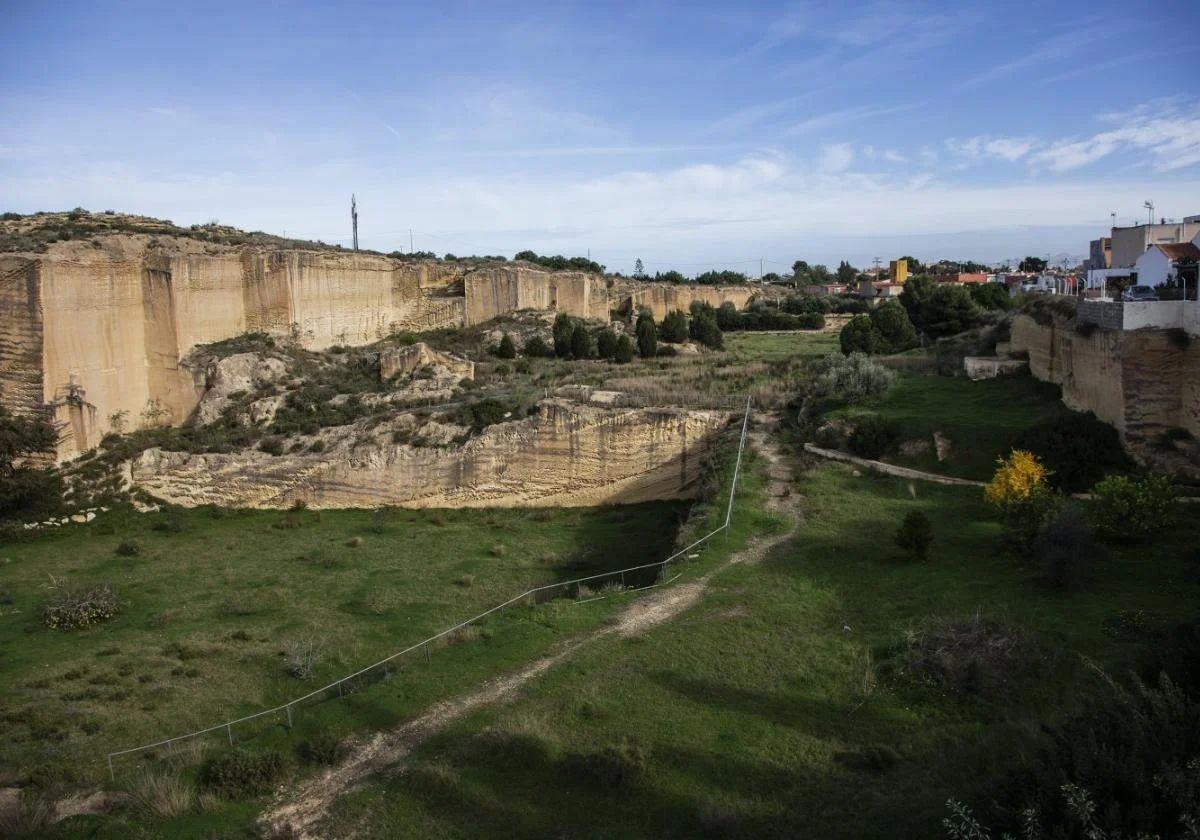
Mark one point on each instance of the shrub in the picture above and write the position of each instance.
(317, 446)
(623, 355)
(564, 331)
(479, 415)
(506, 349)
(891, 322)
(873, 436)
(915, 535)
(128, 548)
(972, 656)
(271, 445)
(302, 655)
(322, 748)
(667, 351)
(606, 344)
(674, 327)
(849, 379)
(647, 335)
(860, 336)
(1066, 549)
(1128, 509)
(71, 608)
(704, 329)
(1020, 492)
(163, 793)
(239, 773)
(537, 348)
(583, 344)
(991, 296)
(1077, 450)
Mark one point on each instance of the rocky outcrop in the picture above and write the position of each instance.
(239, 373)
(1143, 382)
(402, 361)
(563, 456)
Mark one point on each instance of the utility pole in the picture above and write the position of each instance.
(878, 262)
(410, 247)
(760, 267)
(1149, 205)
(354, 219)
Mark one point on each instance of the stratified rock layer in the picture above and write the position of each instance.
(566, 455)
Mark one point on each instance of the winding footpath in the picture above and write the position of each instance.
(298, 812)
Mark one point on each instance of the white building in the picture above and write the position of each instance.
(1158, 265)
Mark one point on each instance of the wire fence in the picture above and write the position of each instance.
(606, 582)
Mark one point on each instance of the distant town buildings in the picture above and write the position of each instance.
(1143, 255)
(898, 270)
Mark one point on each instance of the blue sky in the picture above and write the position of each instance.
(691, 135)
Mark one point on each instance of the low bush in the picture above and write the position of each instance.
(128, 548)
(1077, 449)
(849, 379)
(915, 535)
(163, 793)
(322, 748)
(506, 349)
(873, 437)
(1066, 549)
(975, 656)
(1129, 509)
(239, 774)
(72, 608)
(536, 347)
(302, 656)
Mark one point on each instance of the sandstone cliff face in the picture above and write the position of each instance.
(96, 330)
(566, 455)
(1143, 382)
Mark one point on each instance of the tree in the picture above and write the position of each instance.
(674, 327)
(583, 345)
(26, 491)
(606, 344)
(639, 270)
(1032, 265)
(916, 291)
(819, 275)
(1019, 490)
(506, 349)
(859, 336)
(728, 317)
(846, 273)
(915, 535)
(624, 351)
(564, 329)
(703, 327)
(948, 311)
(537, 347)
(991, 295)
(891, 321)
(647, 335)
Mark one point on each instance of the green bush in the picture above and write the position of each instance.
(506, 349)
(322, 748)
(703, 327)
(606, 344)
(537, 348)
(674, 327)
(848, 379)
(564, 332)
(271, 445)
(239, 774)
(1128, 509)
(583, 344)
(625, 351)
(647, 335)
(1066, 549)
(873, 437)
(128, 548)
(892, 324)
(1077, 448)
(915, 535)
(479, 415)
(860, 336)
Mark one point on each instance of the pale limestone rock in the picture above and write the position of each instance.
(239, 372)
(262, 412)
(398, 361)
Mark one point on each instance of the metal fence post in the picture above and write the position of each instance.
(229, 729)
(289, 713)
(112, 775)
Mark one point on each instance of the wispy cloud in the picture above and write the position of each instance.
(1052, 50)
(842, 116)
(1171, 138)
(978, 148)
(751, 116)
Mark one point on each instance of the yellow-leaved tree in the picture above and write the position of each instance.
(1021, 492)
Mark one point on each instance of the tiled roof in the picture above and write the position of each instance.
(1180, 251)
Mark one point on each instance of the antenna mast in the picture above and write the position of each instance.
(354, 219)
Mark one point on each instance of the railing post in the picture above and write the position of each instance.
(229, 729)
(289, 714)
(112, 776)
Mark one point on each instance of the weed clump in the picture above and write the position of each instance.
(322, 748)
(73, 608)
(239, 774)
(128, 548)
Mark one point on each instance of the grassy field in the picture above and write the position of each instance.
(776, 347)
(981, 418)
(212, 602)
(753, 715)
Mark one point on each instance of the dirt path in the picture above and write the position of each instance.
(300, 811)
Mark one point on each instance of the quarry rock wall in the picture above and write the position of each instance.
(1143, 382)
(566, 455)
(99, 330)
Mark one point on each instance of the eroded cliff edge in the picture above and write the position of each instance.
(564, 455)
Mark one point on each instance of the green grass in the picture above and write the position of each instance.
(749, 709)
(981, 418)
(774, 347)
(208, 611)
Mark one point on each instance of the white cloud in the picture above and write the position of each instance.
(842, 116)
(977, 148)
(836, 158)
(1172, 140)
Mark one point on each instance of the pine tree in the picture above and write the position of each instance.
(647, 335)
